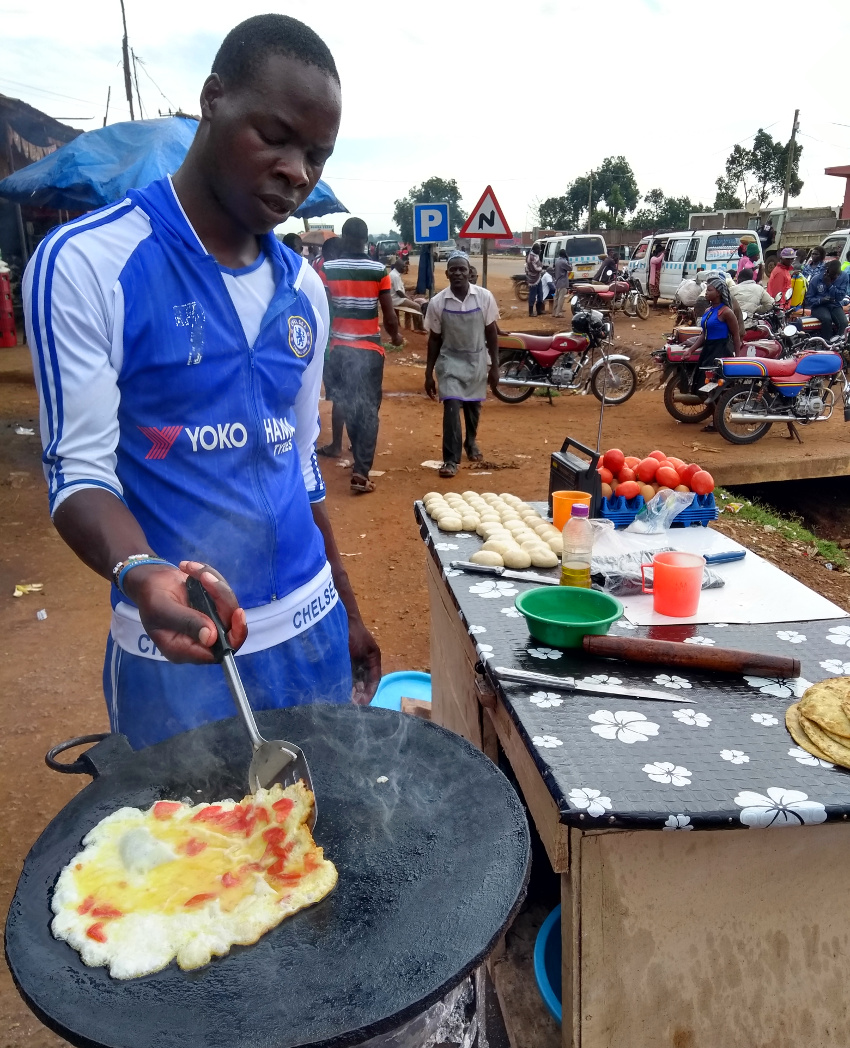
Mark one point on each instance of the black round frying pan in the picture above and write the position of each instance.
(432, 868)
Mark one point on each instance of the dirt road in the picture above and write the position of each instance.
(50, 675)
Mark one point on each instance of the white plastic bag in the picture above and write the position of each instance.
(660, 512)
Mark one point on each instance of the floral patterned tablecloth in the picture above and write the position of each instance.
(720, 759)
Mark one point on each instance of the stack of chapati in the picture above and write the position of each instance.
(820, 721)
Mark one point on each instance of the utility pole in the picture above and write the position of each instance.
(789, 168)
(589, 199)
(125, 52)
(136, 78)
(108, 96)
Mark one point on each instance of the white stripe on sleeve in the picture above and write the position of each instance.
(307, 402)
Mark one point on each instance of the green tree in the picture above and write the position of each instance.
(432, 191)
(726, 198)
(760, 171)
(664, 212)
(615, 183)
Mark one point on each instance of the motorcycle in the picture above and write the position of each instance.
(622, 293)
(796, 389)
(685, 398)
(520, 286)
(575, 360)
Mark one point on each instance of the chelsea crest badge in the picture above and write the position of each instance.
(300, 336)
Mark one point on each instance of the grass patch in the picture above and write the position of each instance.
(789, 527)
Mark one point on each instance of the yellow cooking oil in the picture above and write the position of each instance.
(575, 573)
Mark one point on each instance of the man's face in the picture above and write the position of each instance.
(458, 273)
(270, 139)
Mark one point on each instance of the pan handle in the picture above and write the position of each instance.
(109, 749)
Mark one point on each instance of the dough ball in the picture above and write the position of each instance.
(488, 557)
(542, 557)
(432, 495)
(489, 496)
(450, 523)
(509, 514)
(556, 544)
(469, 521)
(496, 546)
(525, 534)
(513, 525)
(529, 545)
(517, 559)
(470, 495)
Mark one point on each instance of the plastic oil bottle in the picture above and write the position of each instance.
(578, 548)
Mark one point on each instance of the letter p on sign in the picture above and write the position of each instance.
(430, 223)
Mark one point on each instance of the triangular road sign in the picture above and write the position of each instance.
(486, 220)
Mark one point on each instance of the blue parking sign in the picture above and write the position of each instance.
(430, 223)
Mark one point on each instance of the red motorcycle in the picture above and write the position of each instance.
(576, 360)
(622, 293)
(689, 397)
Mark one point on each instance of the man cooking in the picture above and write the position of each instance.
(463, 350)
(177, 348)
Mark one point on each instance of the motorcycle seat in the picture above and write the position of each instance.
(588, 287)
(517, 340)
(620, 286)
(818, 364)
(758, 367)
(683, 332)
(810, 324)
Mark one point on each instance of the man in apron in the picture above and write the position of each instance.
(463, 351)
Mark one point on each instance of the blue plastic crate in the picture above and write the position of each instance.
(702, 510)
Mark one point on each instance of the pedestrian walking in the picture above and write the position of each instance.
(463, 352)
(562, 282)
(359, 289)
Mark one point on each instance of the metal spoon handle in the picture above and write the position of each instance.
(222, 652)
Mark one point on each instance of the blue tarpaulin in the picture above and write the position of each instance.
(98, 168)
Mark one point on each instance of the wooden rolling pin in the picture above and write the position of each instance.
(691, 656)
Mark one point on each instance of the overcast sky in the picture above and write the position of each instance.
(524, 96)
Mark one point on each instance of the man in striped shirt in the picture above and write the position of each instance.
(358, 286)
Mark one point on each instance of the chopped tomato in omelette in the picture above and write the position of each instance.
(187, 882)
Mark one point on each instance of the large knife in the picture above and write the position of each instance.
(505, 573)
(546, 680)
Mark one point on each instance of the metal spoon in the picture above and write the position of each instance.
(275, 760)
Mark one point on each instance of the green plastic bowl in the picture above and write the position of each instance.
(561, 615)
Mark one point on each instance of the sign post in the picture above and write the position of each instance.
(486, 222)
(430, 226)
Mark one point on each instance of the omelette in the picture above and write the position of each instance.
(188, 882)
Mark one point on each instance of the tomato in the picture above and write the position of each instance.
(287, 879)
(677, 464)
(667, 476)
(192, 847)
(632, 461)
(230, 880)
(629, 489)
(106, 911)
(686, 474)
(96, 932)
(199, 900)
(647, 469)
(657, 455)
(282, 808)
(605, 475)
(614, 460)
(262, 815)
(274, 835)
(86, 904)
(702, 483)
(626, 474)
(211, 813)
(311, 862)
(165, 809)
(607, 491)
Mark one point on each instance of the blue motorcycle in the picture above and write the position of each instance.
(762, 391)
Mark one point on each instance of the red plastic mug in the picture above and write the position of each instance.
(676, 583)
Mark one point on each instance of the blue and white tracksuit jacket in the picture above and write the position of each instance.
(150, 390)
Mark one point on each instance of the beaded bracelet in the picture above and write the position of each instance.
(136, 560)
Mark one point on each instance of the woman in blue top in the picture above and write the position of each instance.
(720, 335)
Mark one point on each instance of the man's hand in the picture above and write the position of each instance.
(181, 633)
(494, 374)
(430, 386)
(365, 662)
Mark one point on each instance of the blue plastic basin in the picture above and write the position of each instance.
(547, 963)
(393, 686)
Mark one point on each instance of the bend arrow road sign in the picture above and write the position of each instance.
(487, 220)
(430, 223)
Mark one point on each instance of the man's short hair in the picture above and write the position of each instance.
(293, 242)
(246, 47)
(355, 229)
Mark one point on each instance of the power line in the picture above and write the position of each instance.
(45, 91)
(155, 84)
